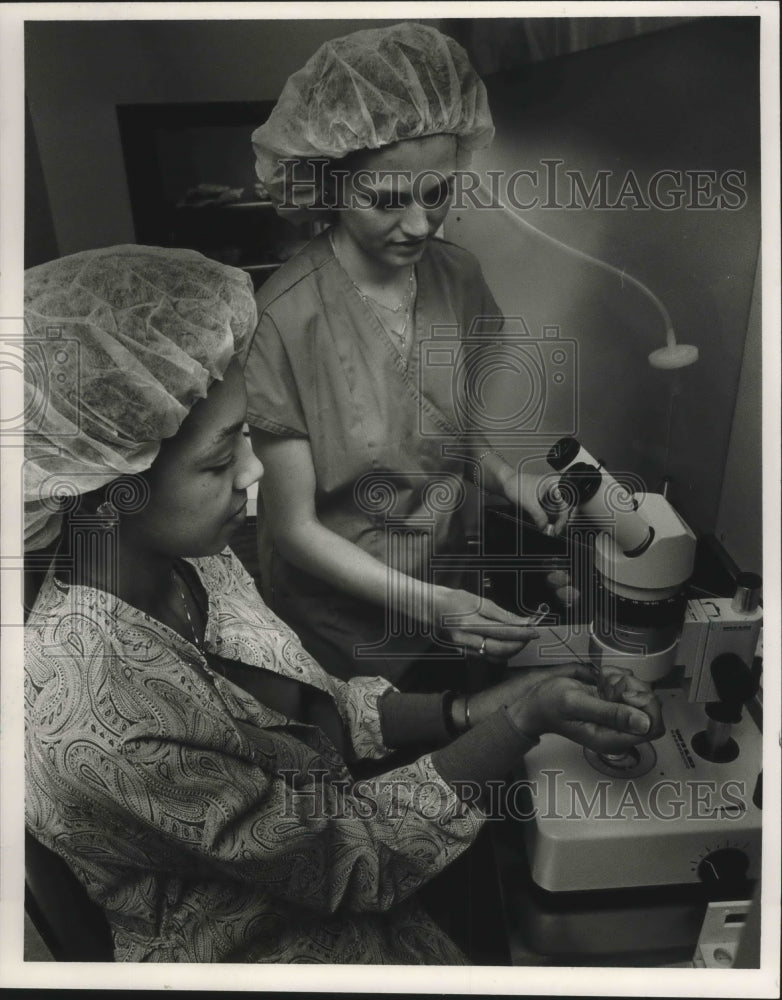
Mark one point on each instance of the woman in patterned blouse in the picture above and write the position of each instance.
(194, 767)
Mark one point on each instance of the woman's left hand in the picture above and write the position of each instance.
(479, 624)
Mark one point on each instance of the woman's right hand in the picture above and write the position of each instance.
(479, 624)
(572, 708)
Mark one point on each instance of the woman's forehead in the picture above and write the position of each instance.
(224, 406)
(400, 163)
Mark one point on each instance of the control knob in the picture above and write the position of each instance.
(724, 873)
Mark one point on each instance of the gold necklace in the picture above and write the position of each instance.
(392, 309)
(369, 301)
(196, 641)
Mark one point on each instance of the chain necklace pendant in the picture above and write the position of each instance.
(397, 337)
(392, 309)
(196, 641)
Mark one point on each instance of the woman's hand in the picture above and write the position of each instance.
(518, 686)
(525, 490)
(620, 684)
(479, 624)
(573, 708)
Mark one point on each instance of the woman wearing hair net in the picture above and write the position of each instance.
(184, 755)
(363, 445)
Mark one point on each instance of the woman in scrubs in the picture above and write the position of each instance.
(363, 539)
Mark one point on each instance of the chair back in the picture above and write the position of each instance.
(72, 926)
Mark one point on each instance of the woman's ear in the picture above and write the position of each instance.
(88, 503)
(127, 494)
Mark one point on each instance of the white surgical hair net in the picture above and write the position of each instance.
(120, 343)
(365, 91)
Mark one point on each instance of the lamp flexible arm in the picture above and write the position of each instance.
(622, 275)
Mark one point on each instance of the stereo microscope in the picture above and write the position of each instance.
(685, 808)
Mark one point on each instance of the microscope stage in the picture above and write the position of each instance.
(663, 816)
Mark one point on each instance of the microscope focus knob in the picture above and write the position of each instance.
(724, 872)
(735, 683)
(747, 596)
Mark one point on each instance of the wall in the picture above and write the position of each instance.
(681, 99)
(78, 71)
(741, 506)
(40, 243)
(506, 43)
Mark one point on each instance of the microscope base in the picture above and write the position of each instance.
(669, 818)
(615, 927)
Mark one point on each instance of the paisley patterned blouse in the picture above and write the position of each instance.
(208, 826)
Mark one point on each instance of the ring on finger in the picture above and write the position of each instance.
(482, 650)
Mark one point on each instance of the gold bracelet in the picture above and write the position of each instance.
(449, 697)
(456, 728)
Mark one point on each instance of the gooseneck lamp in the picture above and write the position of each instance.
(673, 354)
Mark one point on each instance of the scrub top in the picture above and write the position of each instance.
(389, 436)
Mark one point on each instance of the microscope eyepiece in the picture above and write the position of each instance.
(581, 482)
(575, 487)
(562, 453)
